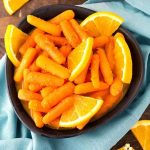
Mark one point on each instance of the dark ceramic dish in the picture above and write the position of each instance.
(46, 13)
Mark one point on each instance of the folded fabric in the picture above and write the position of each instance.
(15, 136)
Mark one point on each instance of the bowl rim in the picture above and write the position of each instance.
(112, 114)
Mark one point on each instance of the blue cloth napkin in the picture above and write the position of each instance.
(15, 136)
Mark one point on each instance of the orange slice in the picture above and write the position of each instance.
(13, 39)
(12, 6)
(123, 65)
(102, 23)
(79, 58)
(84, 109)
(141, 131)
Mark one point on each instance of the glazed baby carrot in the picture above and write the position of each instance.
(81, 33)
(70, 34)
(99, 94)
(36, 106)
(55, 124)
(28, 95)
(109, 49)
(56, 111)
(82, 76)
(65, 50)
(37, 117)
(44, 25)
(116, 87)
(57, 95)
(95, 70)
(59, 41)
(25, 84)
(43, 42)
(50, 66)
(34, 67)
(25, 62)
(35, 32)
(105, 67)
(39, 50)
(44, 79)
(88, 87)
(34, 87)
(47, 90)
(109, 102)
(100, 41)
(66, 15)
(27, 44)
(30, 41)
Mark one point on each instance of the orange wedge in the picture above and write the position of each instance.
(141, 131)
(12, 6)
(13, 39)
(79, 58)
(101, 23)
(123, 65)
(84, 109)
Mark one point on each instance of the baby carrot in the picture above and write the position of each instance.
(27, 44)
(109, 49)
(66, 15)
(34, 67)
(65, 50)
(55, 124)
(44, 25)
(37, 118)
(50, 66)
(43, 42)
(35, 32)
(56, 111)
(59, 41)
(25, 84)
(27, 95)
(95, 71)
(25, 62)
(109, 102)
(38, 49)
(88, 87)
(34, 87)
(44, 79)
(100, 41)
(47, 90)
(99, 94)
(82, 76)
(36, 106)
(70, 34)
(57, 95)
(88, 76)
(116, 87)
(81, 33)
(105, 67)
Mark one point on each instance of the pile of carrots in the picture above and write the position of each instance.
(43, 70)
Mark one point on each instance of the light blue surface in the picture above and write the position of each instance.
(13, 134)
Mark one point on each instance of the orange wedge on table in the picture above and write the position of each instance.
(13, 39)
(101, 23)
(122, 55)
(79, 58)
(141, 131)
(12, 6)
(84, 109)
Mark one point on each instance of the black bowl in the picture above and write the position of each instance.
(46, 13)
